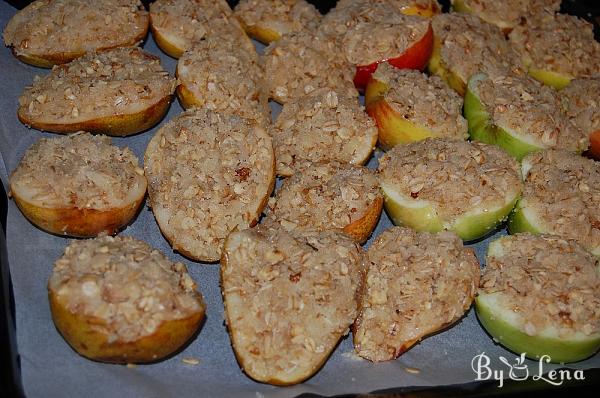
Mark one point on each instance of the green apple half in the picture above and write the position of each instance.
(506, 327)
(482, 127)
(525, 217)
(423, 215)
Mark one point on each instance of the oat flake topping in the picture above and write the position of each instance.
(424, 100)
(126, 284)
(416, 284)
(80, 171)
(454, 176)
(548, 282)
(121, 81)
(563, 190)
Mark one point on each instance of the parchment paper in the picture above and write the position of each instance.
(52, 369)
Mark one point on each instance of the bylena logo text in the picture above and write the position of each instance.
(519, 371)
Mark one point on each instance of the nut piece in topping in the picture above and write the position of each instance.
(119, 300)
(116, 92)
(288, 300)
(561, 196)
(581, 99)
(323, 126)
(508, 13)
(78, 185)
(541, 295)
(556, 48)
(301, 63)
(50, 32)
(434, 184)
(269, 20)
(328, 195)
(214, 75)
(466, 45)
(208, 173)
(408, 106)
(417, 283)
(520, 115)
(179, 24)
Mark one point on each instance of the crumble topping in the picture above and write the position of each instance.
(72, 27)
(510, 13)
(524, 105)
(368, 32)
(78, 171)
(322, 126)
(470, 45)
(322, 196)
(281, 16)
(120, 81)
(559, 43)
(187, 22)
(454, 176)
(126, 285)
(208, 173)
(288, 300)
(548, 282)
(223, 79)
(563, 190)
(424, 100)
(301, 63)
(581, 99)
(417, 283)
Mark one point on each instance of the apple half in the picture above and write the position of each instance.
(506, 327)
(483, 129)
(524, 217)
(415, 57)
(423, 215)
(437, 67)
(393, 128)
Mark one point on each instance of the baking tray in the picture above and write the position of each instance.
(44, 365)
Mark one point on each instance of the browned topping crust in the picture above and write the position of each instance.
(208, 173)
(223, 79)
(581, 99)
(281, 16)
(423, 100)
(454, 176)
(63, 27)
(521, 104)
(322, 126)
(509, 13)
(121, 81)
(301, 63)
(126, 285)
(560, 43)
(563, 190)
(78, 171)
(288, 300)
(322, 196)
(417, 283)
(470, 45)
(548, 282)
(186, 22)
